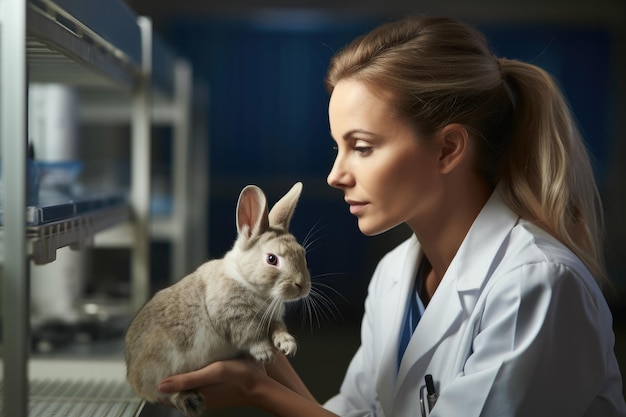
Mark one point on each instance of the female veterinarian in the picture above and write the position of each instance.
(494, 306)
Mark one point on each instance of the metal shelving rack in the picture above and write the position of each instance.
(171, 106)
(98, 46)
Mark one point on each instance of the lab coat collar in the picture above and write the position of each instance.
(482, 247)
(467, 274)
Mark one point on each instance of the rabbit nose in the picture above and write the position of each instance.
(303, 286)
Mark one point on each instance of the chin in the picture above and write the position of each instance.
(369, 229)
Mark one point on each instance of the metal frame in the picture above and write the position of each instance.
(171, 105)
(15, 295)
(34, 34)
(140, 172)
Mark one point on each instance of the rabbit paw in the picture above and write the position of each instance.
(286, 343)
(262, 352)
(190, 403)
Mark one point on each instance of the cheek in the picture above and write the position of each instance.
(408, 172)
(406, 189)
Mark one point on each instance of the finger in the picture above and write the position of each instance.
(187, 381)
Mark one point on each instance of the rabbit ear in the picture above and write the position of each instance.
(281, 213)
(252, 216)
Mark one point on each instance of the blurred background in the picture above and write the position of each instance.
(265, 61)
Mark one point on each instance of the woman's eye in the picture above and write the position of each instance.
(362, 147)
(272, 259)
(363, 150)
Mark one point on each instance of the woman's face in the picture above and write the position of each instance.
(387, 177)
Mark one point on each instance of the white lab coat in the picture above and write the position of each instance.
(517, 327)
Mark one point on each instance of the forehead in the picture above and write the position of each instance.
(280, 242)
(359, 102)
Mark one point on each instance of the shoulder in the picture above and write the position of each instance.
(535, 262)
(529, 244)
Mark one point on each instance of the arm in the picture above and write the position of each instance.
(280, 370)
(243, 382)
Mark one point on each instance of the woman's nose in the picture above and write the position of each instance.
(338, 176)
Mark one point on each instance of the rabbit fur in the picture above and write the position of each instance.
(224, 309)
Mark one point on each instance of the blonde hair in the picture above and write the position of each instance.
(441, 71)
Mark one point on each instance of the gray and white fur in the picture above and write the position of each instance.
(224, 309)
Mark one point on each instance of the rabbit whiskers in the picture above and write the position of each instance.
(318, 306)
(274, 307)
(310, 239)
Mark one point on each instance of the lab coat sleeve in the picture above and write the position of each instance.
(357, 395)
(543, 347)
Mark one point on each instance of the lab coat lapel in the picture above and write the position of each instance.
(404, 280)
(458, 291)
(440, 318)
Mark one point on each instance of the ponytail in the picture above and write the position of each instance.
(546, 170)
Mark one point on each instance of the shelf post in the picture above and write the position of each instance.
(15, 296)
(181, 197)
(140, 173)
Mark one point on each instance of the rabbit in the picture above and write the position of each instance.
(226, 308)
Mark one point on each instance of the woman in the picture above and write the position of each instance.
(503, 274)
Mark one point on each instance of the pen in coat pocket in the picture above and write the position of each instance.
(431, 392)
(428, 396)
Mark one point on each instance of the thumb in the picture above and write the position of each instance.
(168, 386)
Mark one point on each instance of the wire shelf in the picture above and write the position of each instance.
(80, 398)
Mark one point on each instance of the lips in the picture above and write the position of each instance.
(356, 206)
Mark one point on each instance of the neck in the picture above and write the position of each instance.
(443, 232)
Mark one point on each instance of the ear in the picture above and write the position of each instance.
(281, 213)
(454, 141)
(252, 218)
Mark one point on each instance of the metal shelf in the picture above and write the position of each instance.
(79, 388)
(96, 44)
(76, 232)
(100, 47)
(167, 109)
(61, 49)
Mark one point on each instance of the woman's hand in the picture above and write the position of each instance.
(229, 383)
(245, 382)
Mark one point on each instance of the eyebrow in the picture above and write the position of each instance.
(351, 133)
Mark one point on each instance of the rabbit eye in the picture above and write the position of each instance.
(272, 259)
